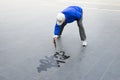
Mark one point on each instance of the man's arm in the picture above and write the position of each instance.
(56, 34)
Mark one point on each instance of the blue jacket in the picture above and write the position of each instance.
(71, 13)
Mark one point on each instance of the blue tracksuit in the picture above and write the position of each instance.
(71, 13)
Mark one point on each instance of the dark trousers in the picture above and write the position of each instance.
(81, 29)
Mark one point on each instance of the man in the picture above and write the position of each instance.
(68, 15)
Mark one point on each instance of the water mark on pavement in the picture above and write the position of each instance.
(52, 61)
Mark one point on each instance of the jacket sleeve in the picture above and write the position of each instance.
(57, 30)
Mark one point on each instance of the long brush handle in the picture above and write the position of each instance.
(54, 42)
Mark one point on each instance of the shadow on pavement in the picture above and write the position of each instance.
(46, 63)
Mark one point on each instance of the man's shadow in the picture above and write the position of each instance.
(47, 62)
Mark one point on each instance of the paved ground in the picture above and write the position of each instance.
(26, 49)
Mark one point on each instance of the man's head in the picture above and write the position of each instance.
(60, 18)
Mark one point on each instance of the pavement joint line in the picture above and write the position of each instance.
(90, 70)
(93, 66)
(104, 9)
(108, 67)
(96, 3)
